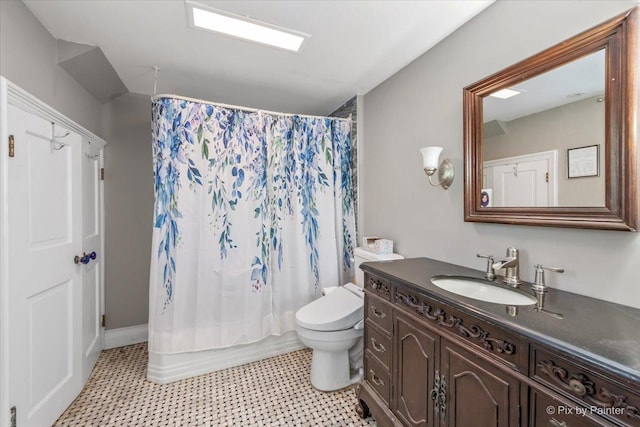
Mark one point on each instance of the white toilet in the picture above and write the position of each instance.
(332, 327)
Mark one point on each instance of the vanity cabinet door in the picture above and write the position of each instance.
(478, 393)
(415, 353)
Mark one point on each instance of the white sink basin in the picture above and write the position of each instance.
(482, 290)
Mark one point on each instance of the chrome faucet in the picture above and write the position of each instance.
(510, 263)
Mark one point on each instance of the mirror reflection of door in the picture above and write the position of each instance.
(558, 110)
(523, 181)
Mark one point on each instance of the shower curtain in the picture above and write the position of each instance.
(253, 216)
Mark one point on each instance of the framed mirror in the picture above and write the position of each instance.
(550, 141)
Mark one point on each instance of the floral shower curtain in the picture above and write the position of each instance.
(253, 215)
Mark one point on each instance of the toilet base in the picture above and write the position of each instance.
(330, 370)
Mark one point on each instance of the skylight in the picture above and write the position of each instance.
(243, 28)
(505, 93)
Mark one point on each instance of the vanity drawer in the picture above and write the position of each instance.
(377, 376)
(550, 410)
(509, 348)
(379, 312)
(611, 397)
(378, 343)
(378, 286)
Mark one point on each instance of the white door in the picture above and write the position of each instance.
(523, 181)
(521, 184)
(45, 233)
(91, 233)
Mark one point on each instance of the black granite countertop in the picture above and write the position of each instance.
(602, 332)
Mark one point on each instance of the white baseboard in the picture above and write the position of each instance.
(167, 368)
(125, 336)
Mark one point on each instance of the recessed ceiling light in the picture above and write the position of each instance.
(243, 28)
(505, 93)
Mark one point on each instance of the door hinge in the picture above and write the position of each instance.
(101, 174)
(12, 146)
(546, 177)
(103, 321)
(13, 416)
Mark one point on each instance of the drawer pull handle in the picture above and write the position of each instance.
(377, 347)
(577, 387)
(377, 381)
(555, 423)
(377, 312)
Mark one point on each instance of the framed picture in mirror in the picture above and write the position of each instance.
(583, 162)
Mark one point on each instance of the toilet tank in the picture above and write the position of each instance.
(361, 255)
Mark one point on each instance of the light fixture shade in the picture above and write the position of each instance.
(242, 27)
(430, 157)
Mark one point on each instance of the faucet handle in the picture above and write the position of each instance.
(490, 274)
(556, 269)
(538, 283)
(539, 289)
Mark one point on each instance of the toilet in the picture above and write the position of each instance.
(332, 326)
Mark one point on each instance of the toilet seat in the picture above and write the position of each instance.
(338, 310)
(329, 336)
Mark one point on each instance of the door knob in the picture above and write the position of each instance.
(85, 258)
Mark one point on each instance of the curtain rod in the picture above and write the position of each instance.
(237, 107)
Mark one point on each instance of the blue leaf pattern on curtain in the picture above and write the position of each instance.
(224, 153)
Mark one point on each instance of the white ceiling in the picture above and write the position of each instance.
(572, 82)
(354, 46)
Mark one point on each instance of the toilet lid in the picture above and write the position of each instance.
(341, 309)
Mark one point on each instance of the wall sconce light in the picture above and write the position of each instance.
(446, 173)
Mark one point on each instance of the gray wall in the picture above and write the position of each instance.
(422, 105)
(28, 58)
(128, 193)
(571, 125)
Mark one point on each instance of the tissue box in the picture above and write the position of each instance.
(383, 247)
(368, 242)
(378, 245)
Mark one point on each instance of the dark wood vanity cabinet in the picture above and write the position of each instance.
(439, 382)
(477, 392)
(428, 364)
(415, 366)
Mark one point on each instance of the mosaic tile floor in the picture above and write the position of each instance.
(271, 392)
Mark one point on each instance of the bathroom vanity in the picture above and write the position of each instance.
(435, 358)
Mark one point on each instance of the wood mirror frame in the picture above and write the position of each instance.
(618, 36)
